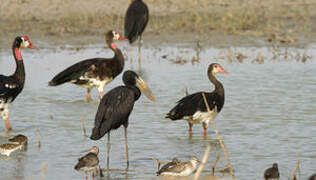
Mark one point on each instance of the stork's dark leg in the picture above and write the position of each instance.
(126, 147)
(88, 95)
(204, 129)
(108, 157)
(139, 51)
(190, 128)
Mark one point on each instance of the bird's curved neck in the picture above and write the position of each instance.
(19, 71)
(218, 85)
(117, 52)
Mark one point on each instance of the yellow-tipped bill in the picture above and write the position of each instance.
(140, 83)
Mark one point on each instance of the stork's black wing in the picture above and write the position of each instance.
(9, 88)
(136, 19)
(78, 71)
(188, 105)
(113, 111)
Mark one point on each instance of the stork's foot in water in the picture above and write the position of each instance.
(7, 123)
(190, 129)
(88, 97)
(100, 94)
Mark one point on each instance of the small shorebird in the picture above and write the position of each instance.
(89, 162)
(18, 142)
(272, 173)
(180, 169)
(174, 162)
(313, 177)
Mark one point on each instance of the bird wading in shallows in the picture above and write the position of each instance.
(136, 19)
(11, 86)
(272, 173)
(95, 72)
(116, 106)
(89, 162)
(192, 107)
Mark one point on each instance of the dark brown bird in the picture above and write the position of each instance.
(272, 173)
(136, 20)
(192, 107)
(313, 177)
(116, 106)
(11, 86)
(89, 162)
(95, 72)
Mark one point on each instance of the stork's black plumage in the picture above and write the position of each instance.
(136, 19)
(11, 86)
(95, 72)
(116, 106)
(192, 107)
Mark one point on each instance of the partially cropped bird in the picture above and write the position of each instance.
(312, 177)
(192, 107)
(180, 169)
(116, 106)
(136, 20)
(174, 162)
(17, 143)
(11, 86)
(89, 162)
(95, 72)
(272, 173)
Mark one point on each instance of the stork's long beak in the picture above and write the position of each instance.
(140, 83)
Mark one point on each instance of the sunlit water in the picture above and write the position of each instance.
(268, 116)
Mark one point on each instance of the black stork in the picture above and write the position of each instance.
(272, 173)
(116, 106)
(89, 162)
(192, 107)
(95, 72)
(136, 20)
(11, 86)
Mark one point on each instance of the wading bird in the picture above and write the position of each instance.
(95, 72)
(17, 143)
(116, 106)
(11, 86)
(136, 19)
(272, 173)
(192, 107)
(174, 162)
(89, 162)
(180, 169)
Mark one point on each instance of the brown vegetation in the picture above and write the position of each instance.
(270, 18)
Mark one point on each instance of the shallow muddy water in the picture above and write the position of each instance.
(268, 116)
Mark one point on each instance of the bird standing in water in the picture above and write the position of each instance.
(192, 107)
(95, 72)
(136, 20)
(272, 173)
(11, 86)
(89, 162)
(116, 106)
